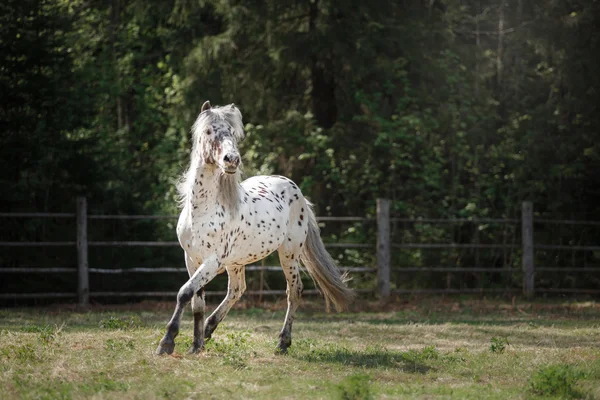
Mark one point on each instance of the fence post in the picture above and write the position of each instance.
(527, 242)
(83, 288)
(383, 248)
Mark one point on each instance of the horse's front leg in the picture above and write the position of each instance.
(198, 309)
(235, 288)
(203, 275)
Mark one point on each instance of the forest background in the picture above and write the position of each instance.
(450, 108)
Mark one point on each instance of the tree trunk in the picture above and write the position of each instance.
(519, 70)
(478, 43)
(499, 66)
(115, 20)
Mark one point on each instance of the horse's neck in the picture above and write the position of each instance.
(210, 192)
(204, 188)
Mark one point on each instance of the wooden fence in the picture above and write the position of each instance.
(383, 251)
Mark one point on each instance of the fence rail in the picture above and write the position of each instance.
(382, 249)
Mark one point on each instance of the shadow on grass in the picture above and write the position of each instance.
(477, 322)
(377, 358)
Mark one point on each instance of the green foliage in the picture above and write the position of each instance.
(421, 356)
(119, 345)
(234, 348)
(102, 383)
(556, 380)
(355, 387)
(459, 355)
(47, 333)
(498, 344)
(120, 323)
(23, 353)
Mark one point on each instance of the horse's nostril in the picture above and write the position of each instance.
(231, 159)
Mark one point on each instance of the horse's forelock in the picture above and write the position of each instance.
(234, 118)
(230, 114)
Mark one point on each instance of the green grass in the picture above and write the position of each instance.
(433, 348)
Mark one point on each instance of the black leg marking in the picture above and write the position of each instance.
(285, 341)
(198, 343)
(198, 307)
(167, 343)
(210, 326)
(184, 296)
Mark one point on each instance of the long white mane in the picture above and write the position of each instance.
(229, 183)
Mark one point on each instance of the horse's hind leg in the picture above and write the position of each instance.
(235, 288)
(289, 263)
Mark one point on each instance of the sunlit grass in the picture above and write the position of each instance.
(432, 350)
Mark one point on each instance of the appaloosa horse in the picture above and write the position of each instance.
(225, 225)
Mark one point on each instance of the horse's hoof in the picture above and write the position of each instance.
(285, 341)
(165, 348)
(281, 349)
(209, 329)
(195, 349)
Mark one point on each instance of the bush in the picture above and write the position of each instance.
(421, 356)
(355, 387)
(498, 345)
(556, 380)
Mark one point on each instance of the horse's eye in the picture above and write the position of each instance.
(208, 131)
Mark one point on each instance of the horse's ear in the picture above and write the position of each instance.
(232, 106)
(206, 106)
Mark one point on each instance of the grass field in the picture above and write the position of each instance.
(426, 348)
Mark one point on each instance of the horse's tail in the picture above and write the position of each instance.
(322, 268)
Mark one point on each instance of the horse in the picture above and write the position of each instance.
(226, 224)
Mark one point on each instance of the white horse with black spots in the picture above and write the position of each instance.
(225, 225)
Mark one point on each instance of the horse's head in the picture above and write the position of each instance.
(216, 133)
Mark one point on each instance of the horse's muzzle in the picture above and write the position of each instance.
(231, 162)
